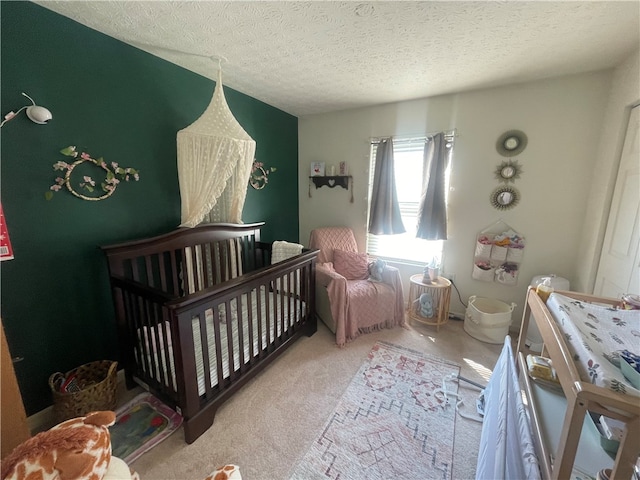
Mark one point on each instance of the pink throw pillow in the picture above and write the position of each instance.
(351, 265)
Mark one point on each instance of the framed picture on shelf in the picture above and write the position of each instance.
(343, 170)
(317, 169)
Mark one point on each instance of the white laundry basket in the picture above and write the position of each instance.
(487, 319)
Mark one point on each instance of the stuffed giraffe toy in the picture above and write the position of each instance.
(228, 472)
(78, 449)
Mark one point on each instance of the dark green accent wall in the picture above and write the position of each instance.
(125, 105)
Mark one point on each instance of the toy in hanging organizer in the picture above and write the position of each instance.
(498, 253)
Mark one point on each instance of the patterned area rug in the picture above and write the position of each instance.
(391, 423)
(140, 425)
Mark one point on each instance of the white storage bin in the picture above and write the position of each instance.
(487, 319)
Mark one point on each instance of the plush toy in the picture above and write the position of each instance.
(228, 472)
(375, 270)
(78, 449)
(424, 306)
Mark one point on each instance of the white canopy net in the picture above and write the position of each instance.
(215, 156)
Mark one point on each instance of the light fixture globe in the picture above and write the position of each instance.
(38, 114)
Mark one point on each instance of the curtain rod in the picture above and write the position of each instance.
(449, 134)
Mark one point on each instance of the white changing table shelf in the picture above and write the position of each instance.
(550, 408)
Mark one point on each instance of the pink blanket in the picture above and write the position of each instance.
(362, 306)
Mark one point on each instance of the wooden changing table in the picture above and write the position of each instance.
(558, 454)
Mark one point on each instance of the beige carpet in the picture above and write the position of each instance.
(270, 423)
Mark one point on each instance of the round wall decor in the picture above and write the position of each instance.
(508, 171)
(88, 183)
(260, 175)
(511, 143)
(505, 197)
(85, 168)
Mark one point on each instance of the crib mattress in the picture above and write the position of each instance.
(595, 335)
(290, 308)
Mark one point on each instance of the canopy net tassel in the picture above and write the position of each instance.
(215, 156)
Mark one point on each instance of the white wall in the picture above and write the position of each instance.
(625, 92)
(563, 119)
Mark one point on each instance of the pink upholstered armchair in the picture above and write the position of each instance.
(347, 301)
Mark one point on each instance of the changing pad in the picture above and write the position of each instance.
(595, 335)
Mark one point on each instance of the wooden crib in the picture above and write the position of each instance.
(201, 310)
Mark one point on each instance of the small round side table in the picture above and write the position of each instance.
(440, 291)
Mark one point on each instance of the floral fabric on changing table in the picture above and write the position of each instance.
(596, 335)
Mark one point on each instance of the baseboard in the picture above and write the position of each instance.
(45, 419)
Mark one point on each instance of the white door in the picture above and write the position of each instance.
(619, 268)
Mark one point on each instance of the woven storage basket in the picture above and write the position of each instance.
(98, 384)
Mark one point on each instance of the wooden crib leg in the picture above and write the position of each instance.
(312, 326)
(200, 423)
(129, 381)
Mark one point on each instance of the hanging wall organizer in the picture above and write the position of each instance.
(498, 254)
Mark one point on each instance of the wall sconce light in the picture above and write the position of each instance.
(36, 113)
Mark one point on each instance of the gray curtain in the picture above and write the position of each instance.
(384, 216)
(432, 213)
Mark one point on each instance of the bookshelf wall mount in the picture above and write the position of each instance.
(344, 181)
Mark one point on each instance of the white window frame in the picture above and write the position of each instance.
(406, 248)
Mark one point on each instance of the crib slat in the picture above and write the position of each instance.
(265, 317)
(134, 270)
(174, 272)
(219, 371)
(284, 280)
(254, 325)
(168, 353)
(230, 349)
(149, 271)
(204, 342)
(147, 334)
(230, 260)
(242, 346)
(129, 326)
(208, 266)
(162, 272)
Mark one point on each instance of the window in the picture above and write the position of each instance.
(408, 159)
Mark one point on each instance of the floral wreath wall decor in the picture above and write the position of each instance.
(113, 175)
(259, 175)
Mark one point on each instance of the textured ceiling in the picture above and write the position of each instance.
(319, 56)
